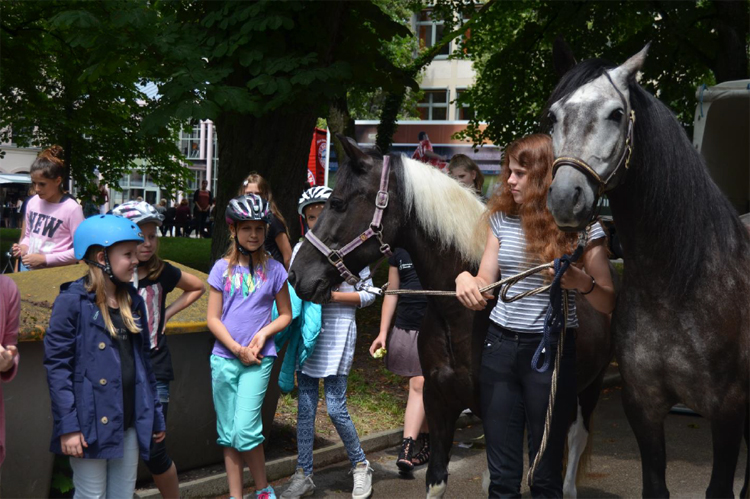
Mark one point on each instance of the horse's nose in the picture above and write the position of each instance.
(292, 277)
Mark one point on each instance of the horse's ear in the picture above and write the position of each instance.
(625, 73)
(562, 56)
(358, 159)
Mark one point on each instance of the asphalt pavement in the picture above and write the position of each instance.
(614, 469)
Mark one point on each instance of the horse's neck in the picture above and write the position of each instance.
(436, 267)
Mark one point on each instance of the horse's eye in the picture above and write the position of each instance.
(616, 115)
(337, 204)
(552, 120)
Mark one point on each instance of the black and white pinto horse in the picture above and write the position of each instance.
(437, 221)
(682, 322)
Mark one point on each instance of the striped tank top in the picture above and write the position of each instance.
(525, 315)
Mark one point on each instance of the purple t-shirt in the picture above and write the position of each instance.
(248, 302)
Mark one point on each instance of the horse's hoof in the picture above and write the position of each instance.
(436, 491)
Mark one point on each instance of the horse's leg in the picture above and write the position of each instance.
(745, 493)
(726, 431)
(442, 423)
(648, 425)
(577, 437)
(579, 433)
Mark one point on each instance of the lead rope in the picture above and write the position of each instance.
(558, 298)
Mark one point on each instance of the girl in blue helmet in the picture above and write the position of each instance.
(105, 406)
(243, 287)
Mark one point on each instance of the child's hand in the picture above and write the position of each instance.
(158, 437)
(19, 250)
(258, 341)
(377, 344)
(34, 261)
(73, 443)
(247, 356)
(7, 356)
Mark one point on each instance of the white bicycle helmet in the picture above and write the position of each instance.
(138, 212)
(313, 195)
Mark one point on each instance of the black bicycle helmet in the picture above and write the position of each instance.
(248, 207)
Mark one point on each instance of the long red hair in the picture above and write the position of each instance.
(544, 240)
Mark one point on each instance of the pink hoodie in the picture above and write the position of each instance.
(50, 228)
(10, 303)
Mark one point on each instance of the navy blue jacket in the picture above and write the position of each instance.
(85, 377)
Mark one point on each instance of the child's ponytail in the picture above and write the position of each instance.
(51, 164)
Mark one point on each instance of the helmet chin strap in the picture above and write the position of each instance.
(107, 269)
(244, 251)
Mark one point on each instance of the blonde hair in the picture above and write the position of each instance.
(95, 284)
(233, 254)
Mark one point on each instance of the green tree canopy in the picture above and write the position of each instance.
(52, 93)
(693, 42)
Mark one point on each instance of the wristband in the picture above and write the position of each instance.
(593, 285)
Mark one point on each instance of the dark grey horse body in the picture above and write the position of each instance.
(682, 321)
(451, 336)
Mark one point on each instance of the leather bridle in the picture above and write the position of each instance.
(587, 170)
(336, 257)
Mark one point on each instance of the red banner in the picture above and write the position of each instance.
(316, 162)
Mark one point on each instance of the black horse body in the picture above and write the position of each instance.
(682, 321)
(451, 336)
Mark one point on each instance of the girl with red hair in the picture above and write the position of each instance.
(513, 394)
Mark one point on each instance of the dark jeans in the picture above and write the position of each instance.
(201, 218)
(513, 394)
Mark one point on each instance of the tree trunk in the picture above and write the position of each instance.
(276, 146)
(340, 121)
(731, 61)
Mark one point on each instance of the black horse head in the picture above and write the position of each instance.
(346, 216)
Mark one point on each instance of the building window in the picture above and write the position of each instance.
(190, 142)
(434, 105)
(431, 32)
(463, 111)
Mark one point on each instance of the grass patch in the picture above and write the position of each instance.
(195, 253)
(8, 237)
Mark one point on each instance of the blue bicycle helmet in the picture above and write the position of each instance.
(104, 230)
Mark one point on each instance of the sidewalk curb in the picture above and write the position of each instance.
(284, 467)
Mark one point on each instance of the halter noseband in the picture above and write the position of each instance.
(336, 257)
(586, 169)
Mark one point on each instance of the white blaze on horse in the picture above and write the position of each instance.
(682, 322)
(381, 202)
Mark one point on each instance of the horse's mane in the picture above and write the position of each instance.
(447, 211)
(683, 214)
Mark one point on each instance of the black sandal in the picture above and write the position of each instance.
(404, 461)
(423, 456)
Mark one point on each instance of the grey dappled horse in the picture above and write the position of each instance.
(438, 222)
(682, 322)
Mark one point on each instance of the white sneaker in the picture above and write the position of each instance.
(362, 480)
(300, 486)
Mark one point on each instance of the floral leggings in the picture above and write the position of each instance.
(335, 393)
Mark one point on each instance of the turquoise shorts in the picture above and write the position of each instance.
(239, 391)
